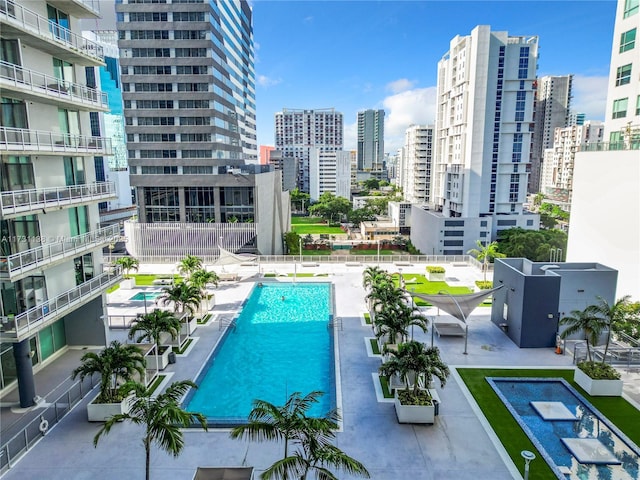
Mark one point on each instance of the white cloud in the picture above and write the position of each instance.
(417, 106)
(265, 81)
(400, 85)
(350, 136)
(590, 96)
(308, 19)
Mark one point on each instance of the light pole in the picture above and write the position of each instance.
(528, 456)
(300, 248)
(378, 253)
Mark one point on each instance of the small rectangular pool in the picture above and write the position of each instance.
(575, 439)
(281, 343)
(145, 296)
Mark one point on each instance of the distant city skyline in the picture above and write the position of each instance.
(358, 55)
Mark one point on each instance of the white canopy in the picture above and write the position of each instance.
(229, 258)
(459, 306)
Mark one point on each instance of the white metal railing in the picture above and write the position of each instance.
(37, 82)
(38, 257)
(20, 201)
(16, 15)
(18, 326)
(23, 139)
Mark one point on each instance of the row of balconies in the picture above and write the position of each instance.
(22, 141)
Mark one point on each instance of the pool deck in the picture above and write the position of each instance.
(456, 446)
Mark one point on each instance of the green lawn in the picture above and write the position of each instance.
(316, 228)
(375, 348)
(146, 279)
(316, 252)
(420, 284)
(372, 252)
(619, 411)
(113, 288)
(306, 220)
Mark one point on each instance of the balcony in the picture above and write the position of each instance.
(634, 144)
(25, 263)
(33, 86)
(22, 141)
(18, 327)
(23, 202)
(47, 36)
(78, 8)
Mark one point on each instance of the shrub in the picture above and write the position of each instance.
(407, 397)
(599, 370)
(432, 269)
(484, 284)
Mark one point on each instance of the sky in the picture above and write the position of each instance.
(355, 55)
(358, 54)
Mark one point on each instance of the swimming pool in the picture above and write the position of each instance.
(146, 295)
(575, 439)
(281, 343)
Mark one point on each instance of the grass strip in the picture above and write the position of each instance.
(620, 412)
(156, 383)
(316, 229)
(204, 320)
(367, 319)
(384, 383)
(306, 220)
(375, 348)
(181, 350)
(372, 252)
(113, 288)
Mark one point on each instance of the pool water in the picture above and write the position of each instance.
(517, 395)
(281, 344)
(146, 296)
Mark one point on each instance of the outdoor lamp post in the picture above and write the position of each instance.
(528, 456)
(300, 248)
(378, 253)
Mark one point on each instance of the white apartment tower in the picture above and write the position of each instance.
(605, 207)
(298, 131)
(483, 133)
(330, 172)
(52, 281)
(415, 164)
(552, 110)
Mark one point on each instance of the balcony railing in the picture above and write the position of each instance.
(19, 326)
(23, 263)
(610, 146)
(39, 84)
(18, 202)
(25, 20)
(22, 140)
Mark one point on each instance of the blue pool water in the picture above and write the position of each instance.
(277, 347)
(517, 393)
(148, 295)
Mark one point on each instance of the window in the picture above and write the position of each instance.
(454, 223)
(529, 223)
(191, 52)
(190, 35)
(148, 16)
(152, 70)
(620, 108)
(623, 75)
(507, 223)
(454, 233)
(453, 243)
(149, 35)
(630, 7)
(188, 16)
(628, 40)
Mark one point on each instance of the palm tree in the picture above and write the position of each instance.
(184, 296)
(587, 321)
(201, 278)
(162, 417)
(613, 315)
(394, 321)
(189, 264)
(371, 275)
(152, 325)
(486, 254)
(115, 364)
(128, 264)
(290, 423)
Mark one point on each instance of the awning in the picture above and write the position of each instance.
(230, 258)
(459, 306)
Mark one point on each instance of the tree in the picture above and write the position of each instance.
(371, 184)
(587, 321)
(394, 320)
(116, 363)
(534, 245)
(371, 275)
(189, 264)
(485, 254)
(152, 325)
(184, 296)
(299, 199)
(201, 278)
(312, 436)
(329, 206)
(613, 315)
(162, 418)
(128, 264)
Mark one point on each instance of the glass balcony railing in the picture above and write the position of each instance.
(39, 84)
(634, 144)
(26, 323)
(16, 17)
(17, 202)
(22, 140)
(24, 263)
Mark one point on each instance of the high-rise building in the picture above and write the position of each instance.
(370, 140)
(298, 131)
(484, 123)
(265, 154)
(330, 172)
(414, 171)
(552, 110)
(189, 103)
(605, 207)
(51, 266)
(576, 118)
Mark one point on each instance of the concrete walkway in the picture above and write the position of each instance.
(455, 447)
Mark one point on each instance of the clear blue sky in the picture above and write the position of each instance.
(354, 55)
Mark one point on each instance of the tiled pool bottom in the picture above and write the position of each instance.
(545, 408)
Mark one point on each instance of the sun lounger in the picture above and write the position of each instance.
(228, 277)
(448, 329)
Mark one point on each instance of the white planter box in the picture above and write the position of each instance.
(598, 388)
(162, 360)
(435, 277)
(100, 412)
(207, 304)
(187, 328)
(416, 413)
(128, 283)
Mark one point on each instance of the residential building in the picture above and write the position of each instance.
(483, 132)
(556, 180)
(265, 154)
(415, 166)
(605, 206)
(400, 214)
(52, 281)
(298, 131)
(370, 140)
(330, 172)
(188, 85)
(576, 119)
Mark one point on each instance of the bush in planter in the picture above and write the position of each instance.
(433, 269)
(599, 371)
(484, 285)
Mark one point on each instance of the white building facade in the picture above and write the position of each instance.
(330, 172)
(416, 162)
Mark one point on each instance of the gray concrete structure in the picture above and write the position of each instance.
(370, 149)
(536, 295)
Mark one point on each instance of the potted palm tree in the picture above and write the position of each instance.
(201, 278)
(417, 402)
(150, 327)
(162, 418)
(128, 264)
(189, 264)
(185, 298)
(116, 364)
